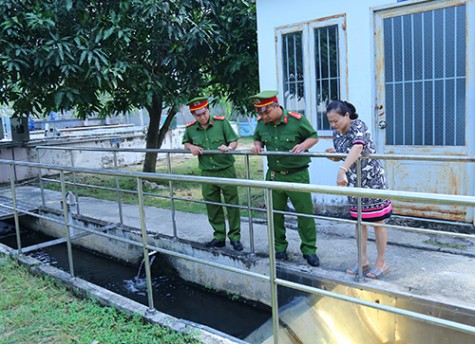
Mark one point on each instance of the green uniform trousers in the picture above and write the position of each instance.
(302, 202)
(212, 193)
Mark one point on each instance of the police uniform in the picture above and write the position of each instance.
(290, 130)
(218, 132)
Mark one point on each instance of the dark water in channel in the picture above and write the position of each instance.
(172, 295)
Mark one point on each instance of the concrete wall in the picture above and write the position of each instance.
(121, 136)
(122, 251)
(126, 137)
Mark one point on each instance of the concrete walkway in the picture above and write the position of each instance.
(420, 265)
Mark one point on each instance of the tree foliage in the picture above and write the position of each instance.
(63, 54)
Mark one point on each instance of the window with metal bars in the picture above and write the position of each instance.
(425, 76)
(293, 72)
(315, 75)
(327, 71)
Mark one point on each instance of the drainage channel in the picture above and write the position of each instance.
(227, 313)
(302, 319)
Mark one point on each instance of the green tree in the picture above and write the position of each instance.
(107, 57)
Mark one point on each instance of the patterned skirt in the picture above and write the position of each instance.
(372, 210)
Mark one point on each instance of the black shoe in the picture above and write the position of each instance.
(312, 259)
(215, 243)
(237, 245)
(281, 255)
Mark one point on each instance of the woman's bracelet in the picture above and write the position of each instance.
(344, 169)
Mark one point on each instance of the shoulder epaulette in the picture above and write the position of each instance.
(295, 115)
(190, 124)
(219, 118)
(259, 118)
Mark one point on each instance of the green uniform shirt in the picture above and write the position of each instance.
(219, 132)
(283, 136)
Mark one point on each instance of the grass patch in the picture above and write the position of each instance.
(38, 310)
(189, 191)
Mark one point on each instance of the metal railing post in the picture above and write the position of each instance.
(74, 175)
(40, 178)
(249, 210)
(172, 194)
(14, 204)
(272, 268)
(148, 273)
(117, 187)
(359, 226)
(67, 224)
(14, 166)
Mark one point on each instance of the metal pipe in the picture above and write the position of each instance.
(117, 188)
(172, 199)
(249, 210)
(74, 173)
(14, 166)
(288, 213)
(43, 245)
(15, 212)
(40, 179)
(272, 268)
(452, 158)
(359, 226)
(423, 197)
(146, 259)
(153, 194)
(66, 223)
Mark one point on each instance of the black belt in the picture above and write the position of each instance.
(291, 170)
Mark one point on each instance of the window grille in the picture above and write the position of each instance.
(293, 72)
(327, 71)
(312, 67)
(425, 76)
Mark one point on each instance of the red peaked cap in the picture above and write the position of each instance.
(265, 98)
(198, 103)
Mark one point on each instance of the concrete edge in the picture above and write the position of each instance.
(84, 289)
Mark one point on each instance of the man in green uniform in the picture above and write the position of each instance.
(281, 130)
(215, 133)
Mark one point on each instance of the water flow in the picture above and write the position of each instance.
(172, 295)
(139, 283)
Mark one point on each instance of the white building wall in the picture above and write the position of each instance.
(272, 14)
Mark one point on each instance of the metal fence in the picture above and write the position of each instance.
(169, 153)
(267, 187)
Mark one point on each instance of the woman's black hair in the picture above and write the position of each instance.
(342, 107)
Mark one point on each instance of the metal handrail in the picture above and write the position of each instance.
(359, 221)
(246, 155)
(268, 186)
(431, 198)
(347, 191)
(447, 158)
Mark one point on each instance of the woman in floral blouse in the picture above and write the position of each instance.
(352, 137)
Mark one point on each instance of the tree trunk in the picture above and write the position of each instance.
(170, 115)
(155, 114)
(155, 134)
